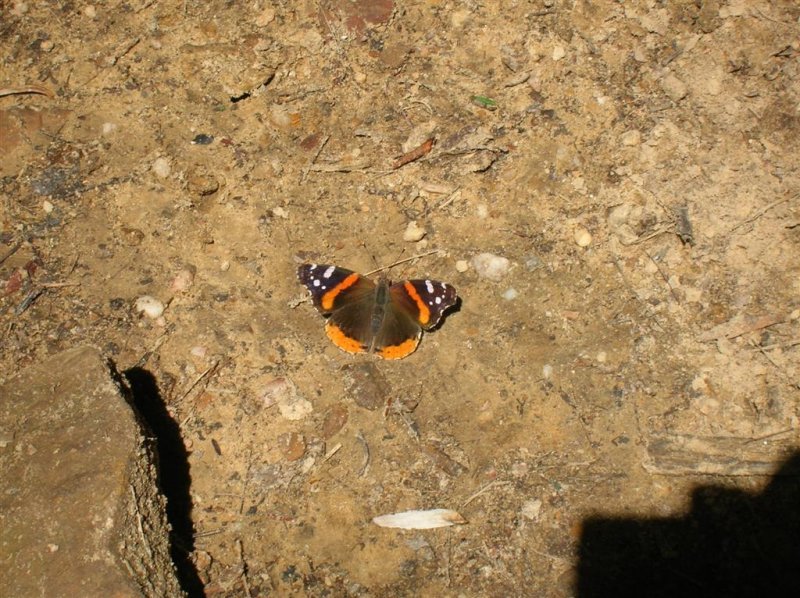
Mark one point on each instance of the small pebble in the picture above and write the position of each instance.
(47, 207)
(413, 232)
(559, 52)
(199, 351)
(161, 167)
(583, 237)
(532, 509)
(225, 266)
(462, 266)
(510, 294)
(90, 11)
(149, 306)
(602, 357)
(490, 266)
(547, 371)
(632, 137)
(674, 87)
(482, 210)
(280, 212)
(183, 280)
(46, 45)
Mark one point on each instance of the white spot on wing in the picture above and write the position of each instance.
(429, 286)
(316, 282)
(328, 272)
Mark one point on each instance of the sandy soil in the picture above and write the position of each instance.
(637, 163)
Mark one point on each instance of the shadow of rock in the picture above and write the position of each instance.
(731, 543)
(173, 474)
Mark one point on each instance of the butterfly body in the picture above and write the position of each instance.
(380, 317)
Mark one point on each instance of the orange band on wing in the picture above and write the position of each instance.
(329, 297)
(404, 349)
(341, 340)
(424, 312)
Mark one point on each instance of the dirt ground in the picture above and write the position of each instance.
(636, 163)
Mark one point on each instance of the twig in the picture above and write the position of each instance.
(762, 211)
(355, 166)
(661, 231)
(32, 295)
(244, 567)
(786, 345)
(205, 373)
(484, 490)
(415, 154)
(314, 158)
(365, 446)
(36, 89)
(331, 453)
(145, 541)
(664, 276)
(763, 352)
(11, 251)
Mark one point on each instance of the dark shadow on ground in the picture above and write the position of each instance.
(173, 474)
(731, 544)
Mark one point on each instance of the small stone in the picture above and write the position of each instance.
(90, 11)
(413, 232)
(482, 210)
(462, 266)
(547, 371)
(283, 393)
(490, 266)
(46, 45)
(559, 52)
(266, 17)
(183, 280)
(292, 445)
(202, 183)
(149, 306)
(510, 294)
(583, 237)
(161, 168)
(631, 138)
(532, 509)
(225, 266)
(359, 77)
(674, 87)
(280, 212)
(47, 207)
(108, 128)
(602, 356)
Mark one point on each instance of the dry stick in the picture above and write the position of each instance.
(11, 251)
(763, 211)
(661, 231)
(139, 521)
(365, 446)
(314, 158)
(37, 89)
(664, 276)
(244, 567)
(485, 489)
(763, 352)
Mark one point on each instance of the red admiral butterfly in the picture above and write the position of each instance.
(383, 318)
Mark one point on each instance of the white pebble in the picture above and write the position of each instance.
(280, 212)
(602, 356)
(482, 210)
(559, 52)
(632, 137)
(511, 294)
(108, 128)
(149, 306)
(462, 266)
(532, 509)
(90, 11)
(583, 237)
(413, 232)
(161, 167)
(225, 266)
(547, 371)
(199, 351)
(490, 266)
(47, 207)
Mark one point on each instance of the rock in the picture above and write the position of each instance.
(491, 267)
(583, 238)
(462, 266)
(149, 306)
(413, 232)
(81, 512)
(674, 87)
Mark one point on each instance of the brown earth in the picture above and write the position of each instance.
(637, 163)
